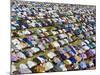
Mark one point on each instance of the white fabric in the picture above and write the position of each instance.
(31, 64)
(60, 31)
(43, 29)
(63, 67)
(18, 46)
(87, 41)
(48, 66)
(56, 60)
(62, 42)
(13, 68)
(15, 41)
(83, 43)
(32, 24)
(93, 50)
(91, 64)
(86, 47)
(41, 59)
(25, 71)
(20, 33)
(66, 40)
(33, 49)
(62, 35)
(21, 55)
(41, 46)
(56, 44)
(51, 54)
(26, 32)
(23, 66)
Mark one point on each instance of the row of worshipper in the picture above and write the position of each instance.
(58, 38)
(23, 16)
(62, 62)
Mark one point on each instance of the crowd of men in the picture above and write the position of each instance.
(52, 37)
